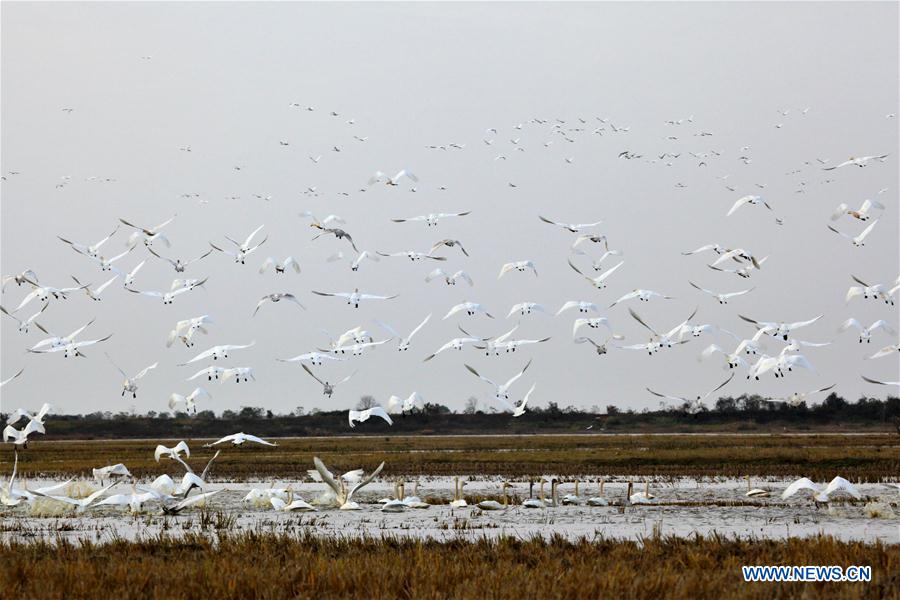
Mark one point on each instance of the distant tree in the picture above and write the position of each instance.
(315, 411)
(229, 414)
(612, 409)
(366, 402)
(270, 414)
(164, 415)
(471, 406)
(299, 411)
(206, 415)
(251, 412)
(151, 414)
(726, 404)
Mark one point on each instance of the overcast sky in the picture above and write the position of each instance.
(145, 80)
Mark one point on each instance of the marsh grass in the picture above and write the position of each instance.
(867, 458)
(263, 565)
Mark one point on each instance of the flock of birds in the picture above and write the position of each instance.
(589, 250)
(172, 497)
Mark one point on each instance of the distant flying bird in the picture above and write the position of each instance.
(470, 308)
(861, 161)
(598, 282)
(239, 438)
(642, 295)
(501, 392)
(694, 404)
(749, 199)
(404, 342)
(865, 333)
(148, 235)
(449, 279)
(431, 219)
(277, 297)
(314, 358)
(327, 388)
(521, 266)
(573, 227)
(189, 401)
(721, 297)
(178, 264)
(449, 244)
(380, 176)
(782, 330)
(169, 297)
(92, 250)
(217, 352)
(354, 297)
(129, 386)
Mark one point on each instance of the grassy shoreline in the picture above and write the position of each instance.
(261, 565)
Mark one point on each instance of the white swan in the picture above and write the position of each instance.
(521, 266)
(862, 214)
(171, 452)
(493, 504)
(129, 386)
(526, 308)
(860, 161)
(178, 264)
(501, 392)
(780, 329)
(722, 297)
(865, 333)
(582, 306)
(748, 199)
(448, 278)
(354, 297)
(169, 297)
(573, 227)
(360, 416)
(642, 295)
(404, 342)
(756, 492)
(598, 282)
(280, 266)
(797, 398)
(237, 439)
(860, 239)
(458, 500)
(25, 325)
(431, 219)
(327, 388)
(217, 352)
(694, 404)
(343, 498)
(878, 291)
(277, 297)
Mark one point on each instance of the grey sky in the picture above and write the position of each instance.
(220, 80)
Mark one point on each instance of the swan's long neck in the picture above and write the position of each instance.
(628, 493)
(647, 489)
(602, 481)
(576, 487)
(542, 490)
(748, 483)
(456, 488)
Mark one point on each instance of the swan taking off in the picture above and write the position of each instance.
(239, 438)
(343, 498)
(364, 415)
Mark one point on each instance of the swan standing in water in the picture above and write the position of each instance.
(574, 499)
(458, 500)
(756, 492)
(533, 502)
(598, 500)
(644, 497)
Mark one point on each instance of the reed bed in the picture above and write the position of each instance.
(867, 458)
(263, 565)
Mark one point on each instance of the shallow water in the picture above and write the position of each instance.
(684, 507)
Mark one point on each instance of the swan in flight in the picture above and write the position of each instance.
(27, 275)
(666, 339)
(886, 351)
(449, 244)
(26, 324)
(449, 279)
(598, 263)
(456, 344)
(363, 415)
(721, 297)
(594, 239)
(744, 271)
(862, 214)
(734, 359)
(777, 364)
(859, 240)
(497, 345)
(354, 297)
(92, 250)
(209, 372)
(520, 266)
(404, 342)
(582, 306)
(798, 398)
(339, 234)
(94, 294)
(323, 222)
(217, 352)
(237, 439)
(861, 161)
(694, 405)
(178, 264)
(71, 348)
(748, 199)
(5, 381)
(879, 291)
(412, 255)
(43, 293)
(642, 295)
(55, 341)
(80, 504)
(277, 297)
(341, 496)
(174, 509)
(573, 227)
(327, 388)
(501, 392)
(782, 330)
(189, 401)
(184, 330)
(600, 348)
(240, 255)
(356, 349)
(148, 235)
(714, 247)
(517, 410)
(470, 308)
(431, 219)
(129, 386)
(738, 255)
(875, 381)
(527, 308)
(280, 266)
(598, 282)
(354, 264)
(169, 297)
(19, 437)
(173, 451)
(397, 405)
(128, 278)
(314, 358)
(381, 176)
(593, 323)
(865, 333)
(245, 373)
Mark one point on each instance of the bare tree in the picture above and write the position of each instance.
(366, 402)
(471, 406)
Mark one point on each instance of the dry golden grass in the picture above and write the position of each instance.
(867, 457)
(257, 565)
